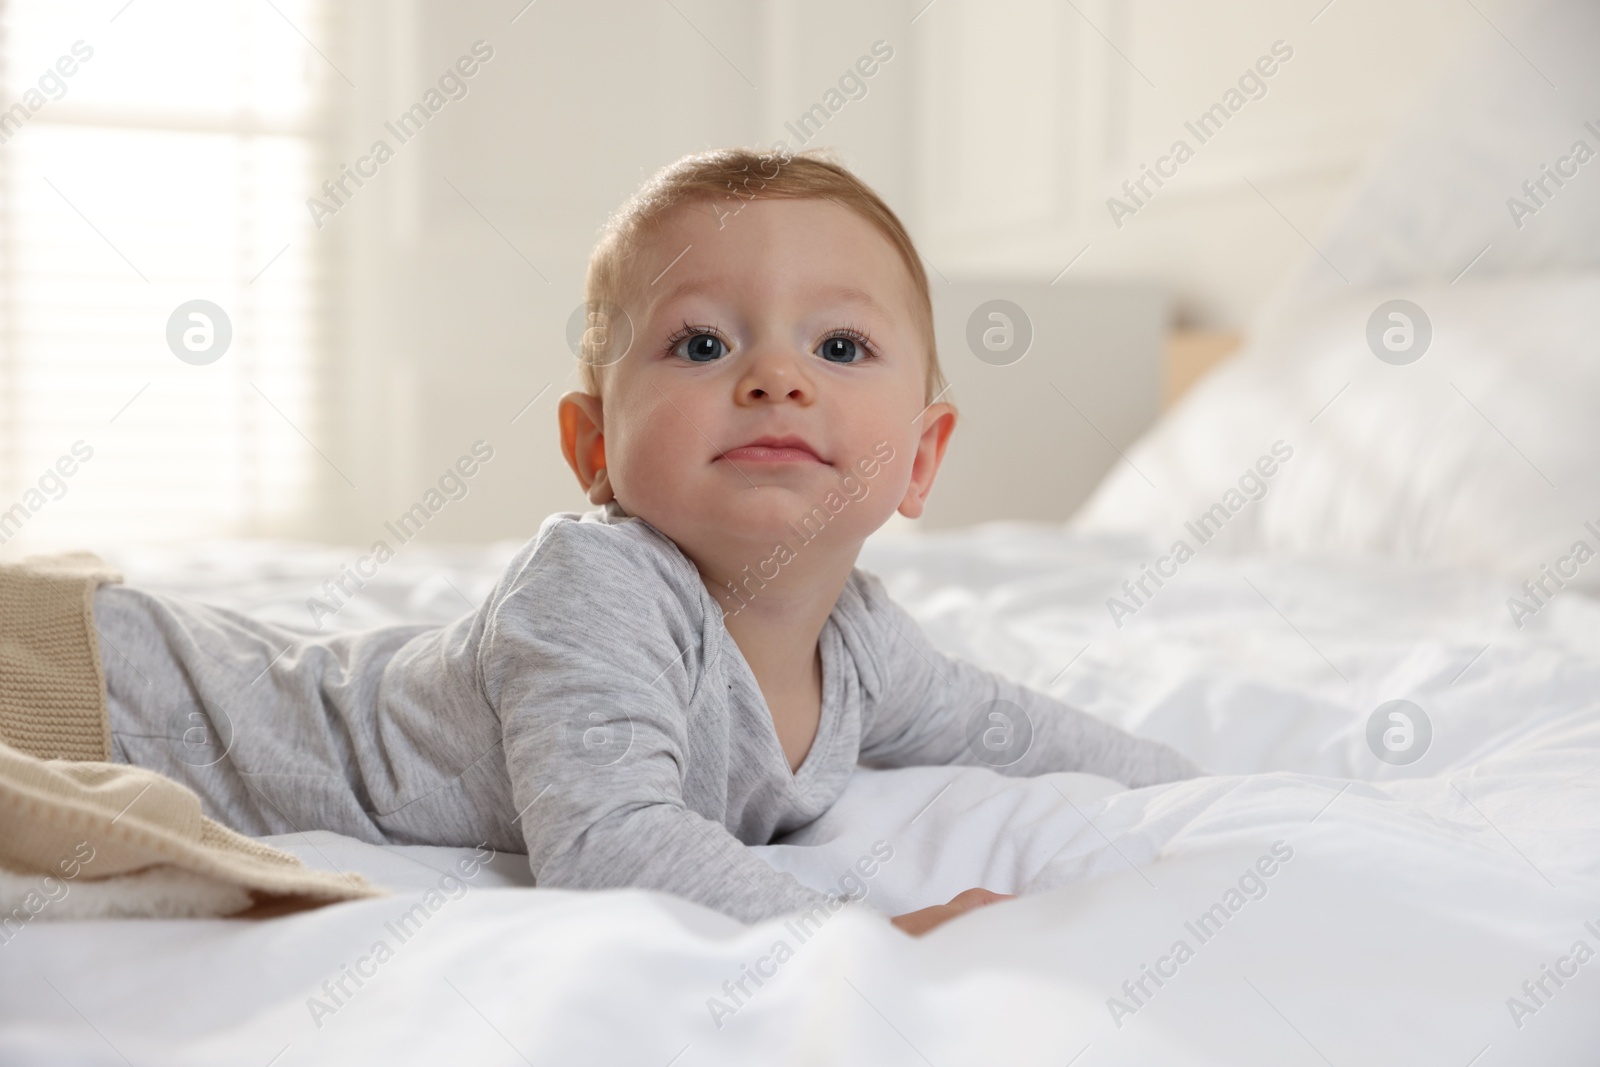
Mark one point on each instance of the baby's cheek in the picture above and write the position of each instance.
(652, 461)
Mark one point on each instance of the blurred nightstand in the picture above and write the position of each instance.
(1190, 355)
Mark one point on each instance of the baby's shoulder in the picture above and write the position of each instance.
(598, 560)
(863, 598)
(874, 629)
(606, 601)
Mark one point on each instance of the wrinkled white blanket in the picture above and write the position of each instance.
(1330, 907)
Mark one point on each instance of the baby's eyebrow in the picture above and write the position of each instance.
(843, 293)
(851, 294)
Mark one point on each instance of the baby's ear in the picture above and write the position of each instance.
(600, 489)
(583, 443)
(938, 423)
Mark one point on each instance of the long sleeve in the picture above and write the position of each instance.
(937, 709)
(592, 673)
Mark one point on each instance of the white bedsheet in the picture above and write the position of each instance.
(1417, 899)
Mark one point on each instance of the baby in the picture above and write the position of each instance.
(694, 666)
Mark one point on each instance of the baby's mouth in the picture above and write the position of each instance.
(774, 450)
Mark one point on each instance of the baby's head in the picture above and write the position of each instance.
(761, 360)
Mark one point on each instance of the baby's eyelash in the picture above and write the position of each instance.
(689, 329)
(859, 336)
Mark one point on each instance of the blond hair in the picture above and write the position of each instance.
(730, 177)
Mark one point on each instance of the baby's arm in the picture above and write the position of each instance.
(936, 709)
(578, 659)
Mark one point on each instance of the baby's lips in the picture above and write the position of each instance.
(773, 451)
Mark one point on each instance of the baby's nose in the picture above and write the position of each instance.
(775, 377)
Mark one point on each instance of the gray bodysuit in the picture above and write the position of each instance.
(594, 711)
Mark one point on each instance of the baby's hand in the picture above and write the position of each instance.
(917, 923)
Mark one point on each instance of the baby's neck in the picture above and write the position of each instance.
(775, 610)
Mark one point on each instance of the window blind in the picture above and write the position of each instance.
(152, 155)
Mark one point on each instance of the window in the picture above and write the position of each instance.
(151, 155)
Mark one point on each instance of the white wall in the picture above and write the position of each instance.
(997, 131)
(1031, 119)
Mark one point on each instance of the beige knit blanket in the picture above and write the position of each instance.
(81, 836)
(52, 687)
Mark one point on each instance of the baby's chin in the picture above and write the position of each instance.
(763, 516)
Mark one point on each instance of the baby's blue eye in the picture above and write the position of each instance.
(701, 348)
(839, 350)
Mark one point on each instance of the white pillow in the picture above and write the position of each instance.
(1484, 452)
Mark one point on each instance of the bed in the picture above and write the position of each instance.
(1346, 887)
(1406, 905)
